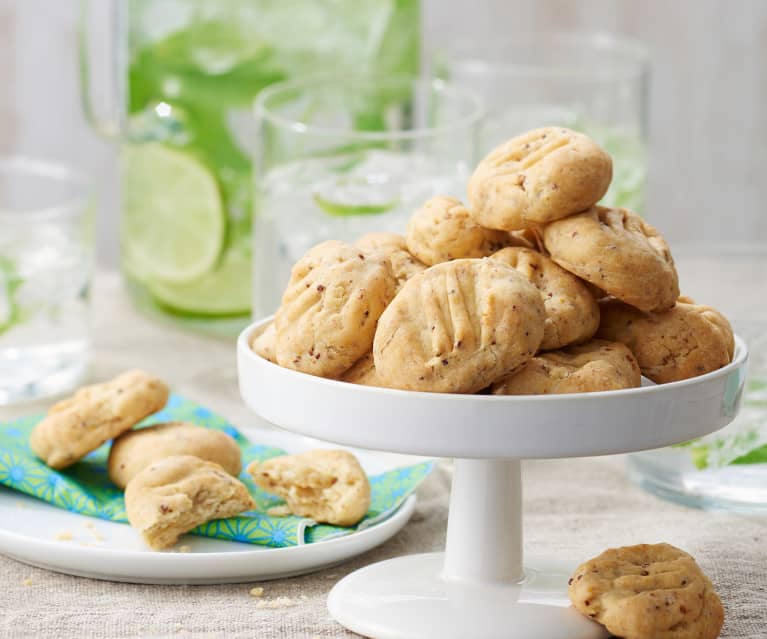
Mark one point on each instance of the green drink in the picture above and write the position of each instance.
(193, 74)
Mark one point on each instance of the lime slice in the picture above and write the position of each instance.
(173, 219)
(357, 195)
(223, 291)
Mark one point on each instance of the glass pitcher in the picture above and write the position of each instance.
(183, 77)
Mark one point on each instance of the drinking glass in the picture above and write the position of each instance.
(594, 83)
(338, 158)
(46, 264)
(726, 470)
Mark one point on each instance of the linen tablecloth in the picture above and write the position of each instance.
(573, 510)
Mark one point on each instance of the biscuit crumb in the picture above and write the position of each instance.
(88, 524)
(22, 505)
(179, 627)
(279, 511)
(63, 535)
(27, 582)
(256, 592)
(185, 548)
(277, 602)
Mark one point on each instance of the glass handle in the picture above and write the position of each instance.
(102, 60)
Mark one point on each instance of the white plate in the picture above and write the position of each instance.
(35, 533)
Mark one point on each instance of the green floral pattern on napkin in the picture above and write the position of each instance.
(85, 488)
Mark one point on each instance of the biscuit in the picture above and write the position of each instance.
(263, 344)
(685, 341)
(328, 486)
(594, 366)
(133, 451)
(392, 246)
(540, 176)
(94, 415)
(331, 307)
(527, 238)
(572, 313)
(442, 230)
(617, 251)
(648, 592)
(457, 327)
(363, 372)
(175, 494)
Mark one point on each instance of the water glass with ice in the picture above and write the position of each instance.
(341, 157)
(46, 265)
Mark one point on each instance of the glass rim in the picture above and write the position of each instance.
(262, 112)
(476, 55)
(72, 206)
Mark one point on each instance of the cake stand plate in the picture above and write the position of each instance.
(480, 586)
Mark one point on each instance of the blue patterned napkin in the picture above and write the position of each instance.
(85, 488)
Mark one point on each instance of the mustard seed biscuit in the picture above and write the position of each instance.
(175, 494)
(331, 307)
(572, 313)
(264, 343)
(363, 372)
(133, 451)
(457, 327)
(393, 246)
(648, 592)
(329, 486)
(442, 230)
(527, 238)
(542, 175)
(595, 366)
(617, 251)
(95, 414)
(685, 341)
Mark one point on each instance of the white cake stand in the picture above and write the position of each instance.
(480, 586)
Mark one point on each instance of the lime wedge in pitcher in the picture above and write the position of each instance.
(222, 291)
(173, 219)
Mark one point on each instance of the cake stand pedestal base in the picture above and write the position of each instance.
(408, 598)
(479, 587)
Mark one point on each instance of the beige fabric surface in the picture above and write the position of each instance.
(573, 509)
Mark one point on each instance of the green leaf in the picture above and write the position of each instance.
(756, 456)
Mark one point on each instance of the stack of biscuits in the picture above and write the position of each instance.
(531, 288)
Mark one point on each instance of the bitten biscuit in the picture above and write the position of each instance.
(94, 415)
(363, 372)
(617, 251)
(264, 343)
(537, 177)
(329, 486)
(648, 592)
(685, 341)
(133, 451)
(594, 366)
(392, 246)
(572, 313)
(331, 307)
(458, 326)
(442, 230)
(175, 494)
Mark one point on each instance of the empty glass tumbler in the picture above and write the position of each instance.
(597, 84)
